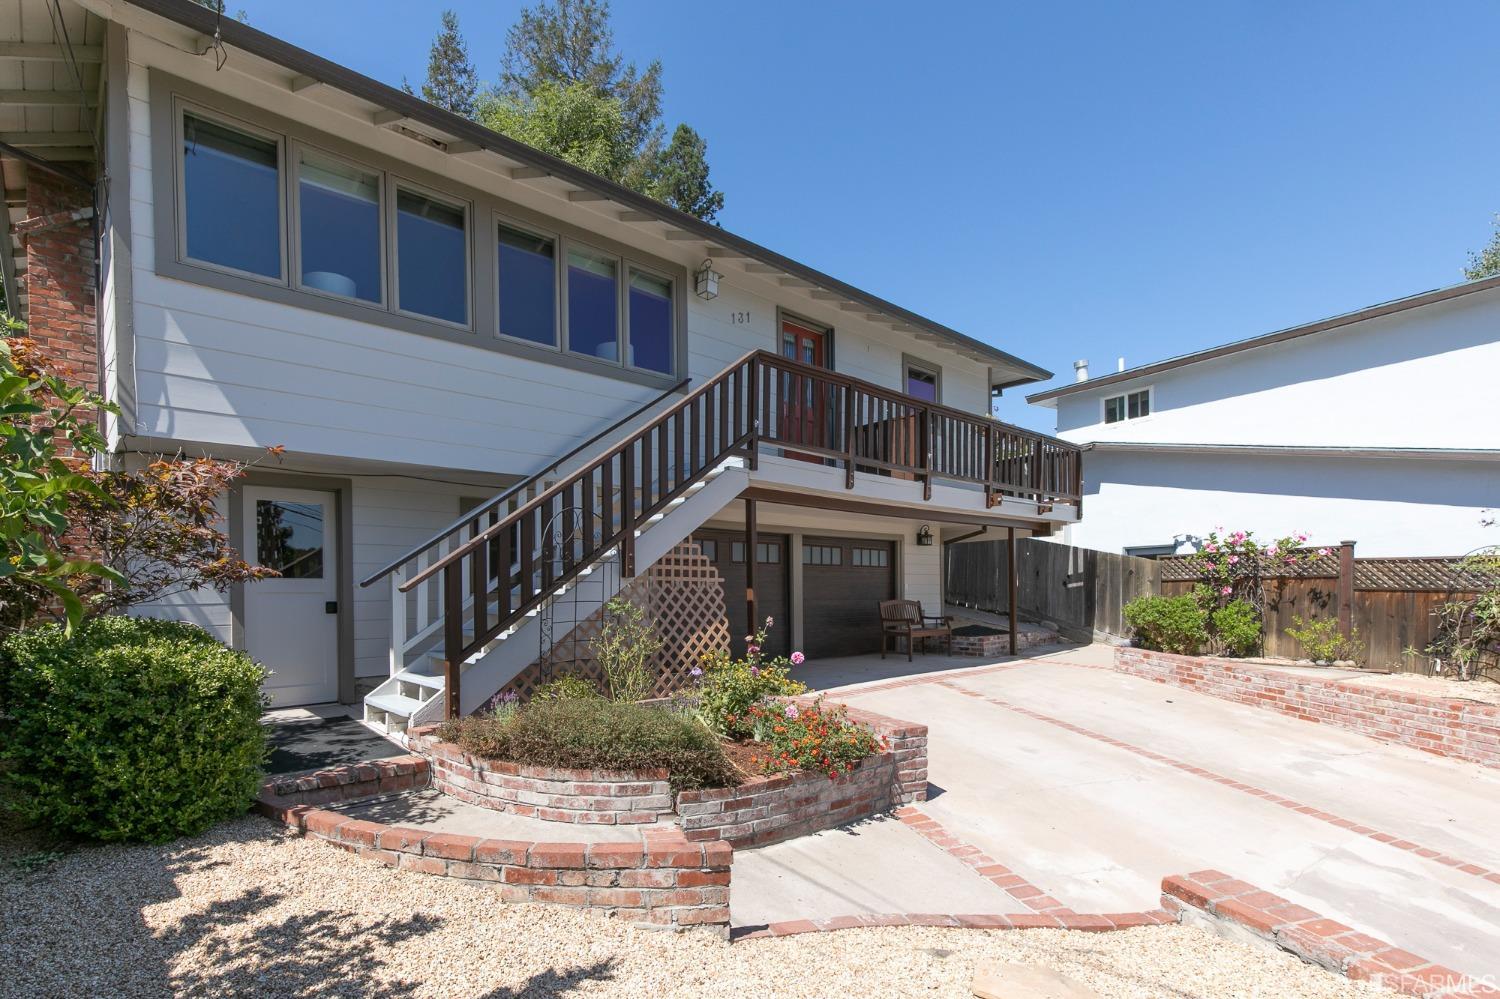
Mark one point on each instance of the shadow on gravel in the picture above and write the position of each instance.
(555, 983)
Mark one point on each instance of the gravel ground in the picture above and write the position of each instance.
(250, 910)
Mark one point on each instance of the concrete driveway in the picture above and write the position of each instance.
(1093, 785)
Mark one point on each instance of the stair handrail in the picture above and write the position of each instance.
(469, 516)
(482, 537)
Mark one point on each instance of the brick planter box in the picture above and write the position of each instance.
(771, 809)
(1464, 730)
(599, 797)
(989, 646)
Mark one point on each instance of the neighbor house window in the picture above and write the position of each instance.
(528, 286)
(338, 227)
(593, 305)
(650, 319)
(231, 188)
(432, 258)
(1127, 407)
(921, 383)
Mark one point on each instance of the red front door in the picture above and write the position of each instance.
(804, 404)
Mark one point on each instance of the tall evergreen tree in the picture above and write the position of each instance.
(561, 49)
(452, 82)
(681, 178)
(1485, 263)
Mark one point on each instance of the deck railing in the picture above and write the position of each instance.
(503, 561)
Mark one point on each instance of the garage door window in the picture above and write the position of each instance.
(766, 552)
(871, 558)
(822, 555)
(710, 550)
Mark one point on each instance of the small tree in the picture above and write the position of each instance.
(452, 82)
(48, 435)
(625, 648)
(159, 528)
(682, 176)
(1485, 263)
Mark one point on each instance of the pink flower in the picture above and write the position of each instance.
(798, 659)
(1210, 547)
(1301, 535)
(769, 621)
(1271, 551)
(1233, 559)
(1212, 565)
(749, 639)
(1290, 560)
(1227, 590)
(751, 649)
(791, 711)
(1322, 551)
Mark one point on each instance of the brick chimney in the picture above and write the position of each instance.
(58, 234)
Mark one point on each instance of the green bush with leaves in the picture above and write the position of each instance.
(1321, 639)
(569, 687)
(1235, 628)
(1168, 624)
(625, 650)
(129, 729)
(594, 732)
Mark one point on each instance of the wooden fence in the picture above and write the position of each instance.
(1389, 602)
(1080, 590)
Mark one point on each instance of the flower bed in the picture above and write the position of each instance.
(555, 794)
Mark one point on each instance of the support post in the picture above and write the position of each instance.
(453, 637)
(627, 512)
(1346, 588)
(751, 618)
(1010, 585)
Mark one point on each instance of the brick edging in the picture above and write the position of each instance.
(659, 880)
(1312, 937)
(1458, 729)
(347, 782)
(1105, 922)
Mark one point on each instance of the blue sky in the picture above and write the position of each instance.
(1062, 180)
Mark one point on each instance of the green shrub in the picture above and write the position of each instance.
(728, 687)
(130, 729)
(1168, 624)
(1322, 641)
(594, 732)
(569, 687)
(1235, 628)
(625, 649)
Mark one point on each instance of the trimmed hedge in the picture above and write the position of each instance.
(1168, 624)
(132, 729)
(606, 735)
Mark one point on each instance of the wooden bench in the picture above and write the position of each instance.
(904, 619)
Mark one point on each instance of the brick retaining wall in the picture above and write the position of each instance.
(1464, 730)
(598, 797)
(770, 809)
(659, 879)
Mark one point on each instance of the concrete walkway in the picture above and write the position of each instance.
(1093, 785)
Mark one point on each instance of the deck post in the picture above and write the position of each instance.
(1010, 584)
(1346, 588)
(453, 637)
(750, 545)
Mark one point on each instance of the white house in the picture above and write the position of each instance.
(1377, 426)
(494, 374)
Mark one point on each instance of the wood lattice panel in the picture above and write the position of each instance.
(682, 596)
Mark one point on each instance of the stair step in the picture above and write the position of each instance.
(433, 680)
(394, 704)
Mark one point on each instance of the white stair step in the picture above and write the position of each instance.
(433, 680)
(393, 704)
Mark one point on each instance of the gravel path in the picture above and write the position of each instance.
(249, 910)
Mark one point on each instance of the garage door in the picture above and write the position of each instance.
(843, 582)
(727, 551)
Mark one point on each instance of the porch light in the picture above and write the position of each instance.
(706, 281)
(924, 535)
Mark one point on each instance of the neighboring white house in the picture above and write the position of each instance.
(425, 315)
(1378, 426)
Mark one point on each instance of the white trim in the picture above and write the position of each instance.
(1310, 451)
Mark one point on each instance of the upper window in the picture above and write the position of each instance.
(921, 383)
(593, 305)
(650, 318)
(338, 216)
(1127, 407)
(231, 186)
(528, 286)
(432, 258)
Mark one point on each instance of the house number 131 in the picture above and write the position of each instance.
(739, 318)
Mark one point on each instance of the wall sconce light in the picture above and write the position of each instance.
(706, 281)
(924, 535)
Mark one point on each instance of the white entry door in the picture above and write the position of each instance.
(291, 621)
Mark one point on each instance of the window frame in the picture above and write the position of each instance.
(395, 183)
(1124, 397)
(909, 361)
(294, 225)
(559, 280)
(375, 150)
(631, 268)
(181, 108)
(565, 318)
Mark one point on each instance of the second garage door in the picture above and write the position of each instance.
(843, 582)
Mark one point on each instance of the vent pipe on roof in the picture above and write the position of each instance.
(1081, 370)
(1120, 364)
